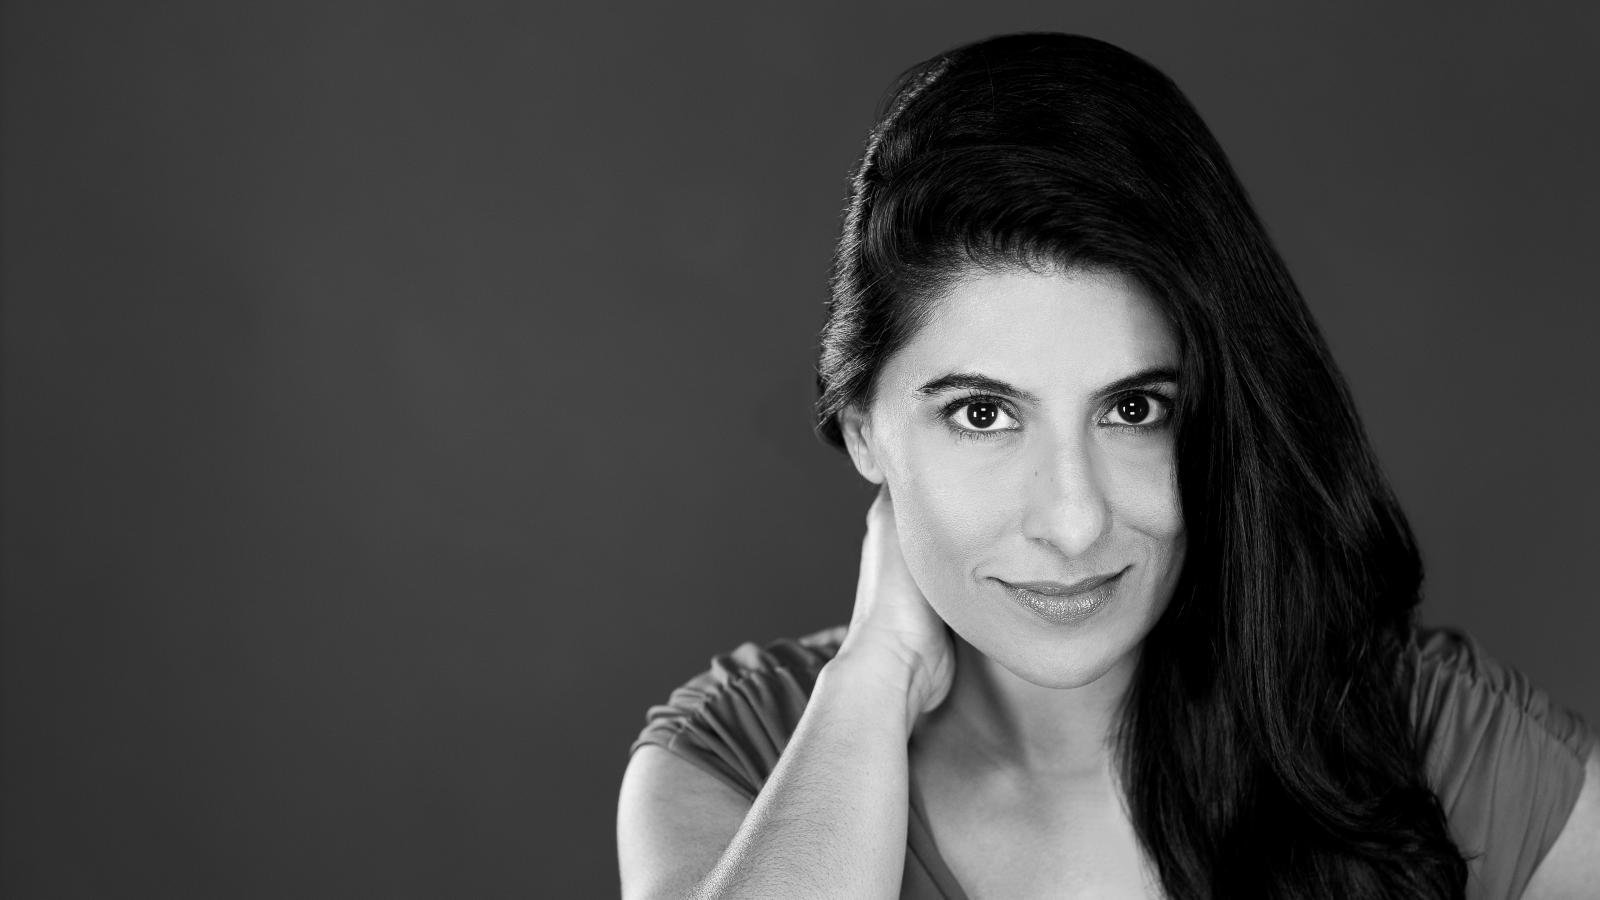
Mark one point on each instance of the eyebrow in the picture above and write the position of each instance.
(977, 381)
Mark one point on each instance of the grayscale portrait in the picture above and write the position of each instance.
(1137, 608)
(979, 451)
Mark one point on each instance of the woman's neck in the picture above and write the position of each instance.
(993, 722)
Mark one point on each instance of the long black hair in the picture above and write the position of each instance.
(1265, 742)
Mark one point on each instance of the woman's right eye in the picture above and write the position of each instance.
(979, 417)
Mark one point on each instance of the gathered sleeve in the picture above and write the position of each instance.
(1506, 760)
(734, 719)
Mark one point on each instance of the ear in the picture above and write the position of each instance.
(858, 440)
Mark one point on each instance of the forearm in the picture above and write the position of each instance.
(830, 822)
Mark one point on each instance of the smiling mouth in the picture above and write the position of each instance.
(1071, 603)
(1058, 589)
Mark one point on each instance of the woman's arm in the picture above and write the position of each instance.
(1571, 870)
(829, 822)
(673, 821)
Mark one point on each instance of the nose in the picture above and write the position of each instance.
(1067, 504)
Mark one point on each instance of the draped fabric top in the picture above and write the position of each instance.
(1506, 762)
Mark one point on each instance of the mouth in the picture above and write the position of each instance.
(1058, 589)
(1065, 604)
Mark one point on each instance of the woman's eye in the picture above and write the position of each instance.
(1141, 410)
(980, 416)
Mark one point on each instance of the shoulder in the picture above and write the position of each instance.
(734, 718)
(1462, 697)
(1506, 760)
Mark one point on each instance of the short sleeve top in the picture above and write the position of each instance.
(1506, 762)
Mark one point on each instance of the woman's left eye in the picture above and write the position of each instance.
(1137, 412)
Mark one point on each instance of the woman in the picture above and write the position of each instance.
(1135, 615)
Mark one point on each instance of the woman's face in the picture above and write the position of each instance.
(1015, 450)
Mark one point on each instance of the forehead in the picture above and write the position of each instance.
(1044, 328)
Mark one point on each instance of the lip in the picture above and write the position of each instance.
(1064, 604)
(1057, 589)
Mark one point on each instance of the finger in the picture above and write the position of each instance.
(880, 504)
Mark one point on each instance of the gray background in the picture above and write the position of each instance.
(399, 399)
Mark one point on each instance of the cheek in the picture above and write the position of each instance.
(1151, 509)
(1145, 486)
(946, 522)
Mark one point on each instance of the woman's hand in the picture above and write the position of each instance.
(892, 623)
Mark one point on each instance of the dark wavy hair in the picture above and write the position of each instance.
(1266, 744)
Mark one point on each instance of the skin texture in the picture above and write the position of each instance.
(1054, 490)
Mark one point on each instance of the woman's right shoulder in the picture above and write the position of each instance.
(734, 718)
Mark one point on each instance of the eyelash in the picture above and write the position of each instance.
(973, 434)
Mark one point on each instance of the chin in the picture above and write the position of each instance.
(1058, 659)
(1058, 671)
